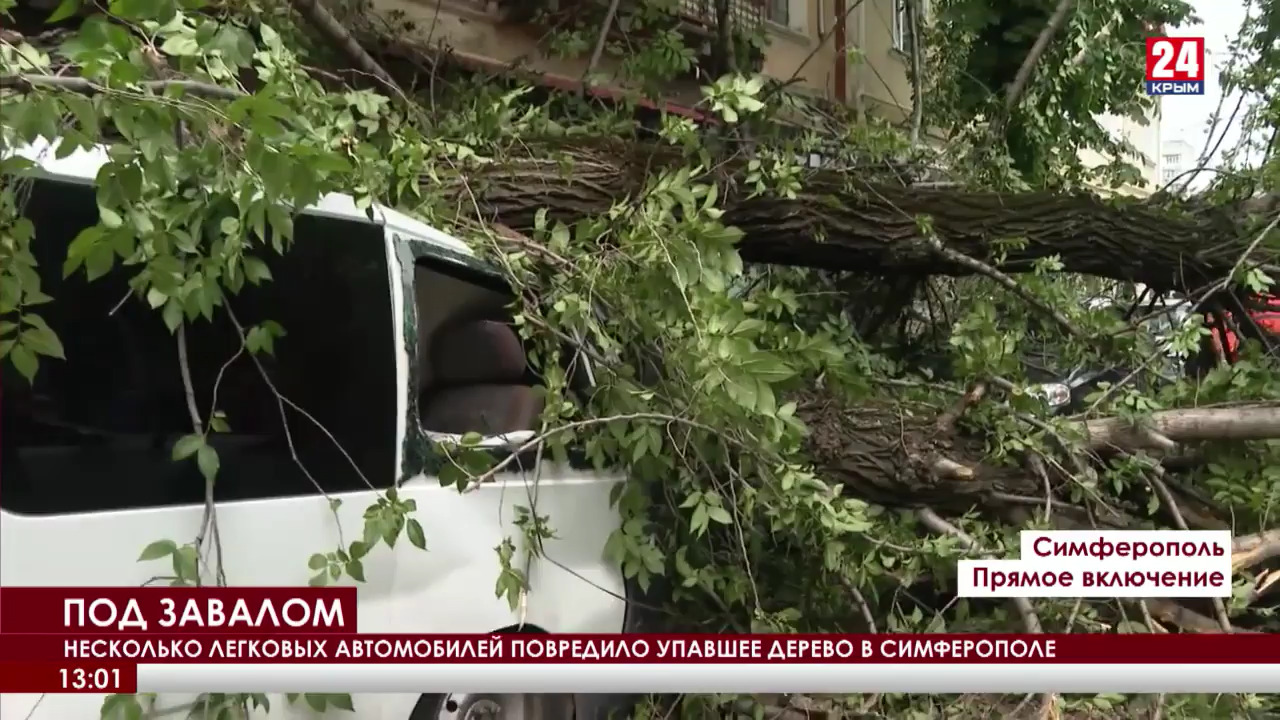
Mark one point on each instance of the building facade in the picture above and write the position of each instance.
(1143, 135)
(1177, 156)
(804, 41)
(851, 52)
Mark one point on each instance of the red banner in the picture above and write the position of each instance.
(189, 611)
(184, 648)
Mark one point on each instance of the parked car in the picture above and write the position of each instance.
(395, 338)
(1065, 392)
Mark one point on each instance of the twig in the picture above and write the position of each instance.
(323, 21)
(578, 424)
(935, 523)
(29, 81)
(1037, 467)
(209, 521)
(917, 81)
(1007, 282)
(1030, 620)
(1019, 86)
(1166, 497)
(188, 387)
(282, 401)
(605, 27)
(863, 606)
(1158, 710)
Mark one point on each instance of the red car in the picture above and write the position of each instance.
(1265, 312)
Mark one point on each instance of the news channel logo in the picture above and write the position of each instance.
(1175, 66)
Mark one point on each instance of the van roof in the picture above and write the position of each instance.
(81, 167)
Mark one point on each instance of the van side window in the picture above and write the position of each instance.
(95, 431)
(473, 374)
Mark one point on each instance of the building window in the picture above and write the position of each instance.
(1172, 159)
(780, 12)
(95, 431)
(902, 38)
(1170, 174)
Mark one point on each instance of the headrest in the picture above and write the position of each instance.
(483, 351)
(486, 409)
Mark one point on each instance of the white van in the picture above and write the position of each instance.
(394, 332)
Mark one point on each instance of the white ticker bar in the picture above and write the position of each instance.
(601, 678)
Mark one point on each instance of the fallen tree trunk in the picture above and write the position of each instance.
(842, 222)
(882, 454)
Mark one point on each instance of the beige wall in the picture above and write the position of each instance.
(794, 51)
(880, 80)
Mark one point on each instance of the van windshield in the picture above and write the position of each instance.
(95, 432)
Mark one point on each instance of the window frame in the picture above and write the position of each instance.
(772, 9)
(416, 447)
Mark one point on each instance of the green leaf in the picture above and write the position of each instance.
(186, 563)
(358, 549)
(698, 523)
(24, 361)
(42, 340)
(157, 550)
(187, 445)
(109, 218)
(180, 45)
(172, 314)
(100, 261)
(356, 570)
(256, 270)
(720, 515)
(319, 579)
(207, 461)
(414, 529)
(65, 9)
(317, 561)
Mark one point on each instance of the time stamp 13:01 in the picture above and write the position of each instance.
(91, 679)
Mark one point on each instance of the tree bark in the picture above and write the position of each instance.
(843, 221)
(1189, 425)
(881, 454)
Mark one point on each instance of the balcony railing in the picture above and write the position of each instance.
(744, 15)
(700, 15)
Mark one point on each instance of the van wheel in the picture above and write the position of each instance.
(464, 706)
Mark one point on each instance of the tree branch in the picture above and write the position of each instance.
(1162, 490)
(605, 27)
(1259, 422)
(27, 82)
(917, 81)
(935, 523)
(1008, 283)
(326, 24)
(1019, 86)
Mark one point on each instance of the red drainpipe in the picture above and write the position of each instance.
(842, 63)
